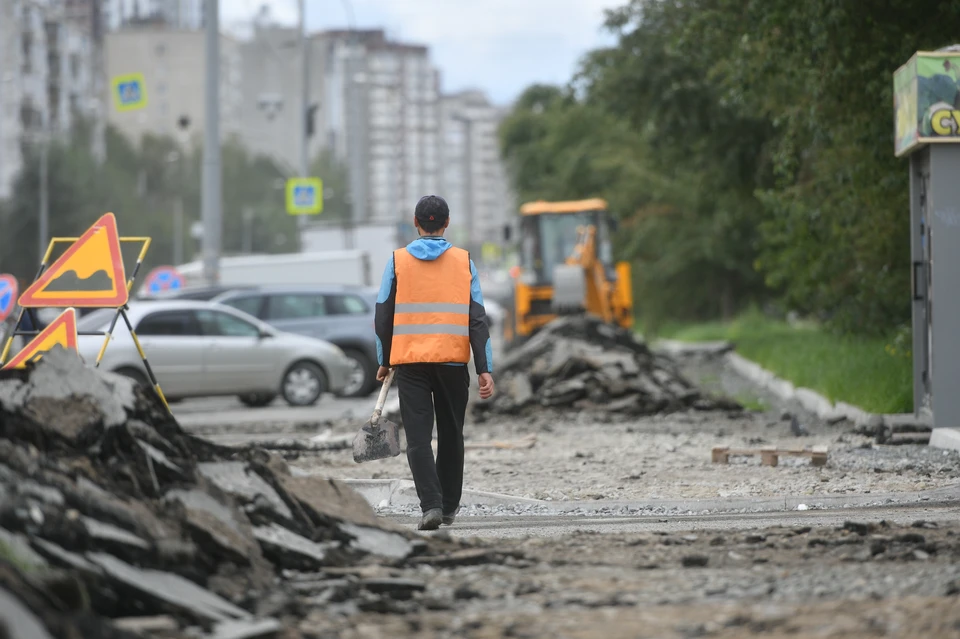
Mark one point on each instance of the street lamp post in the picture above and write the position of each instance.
(44, 230)
(304, 105)
(174, 159)
(212, 213)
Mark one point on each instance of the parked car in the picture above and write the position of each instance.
(494, 312)
(199, 349)
(203, 293)
(342, 315)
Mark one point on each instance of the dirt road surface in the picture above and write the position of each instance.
(890, 567)
(855, 578)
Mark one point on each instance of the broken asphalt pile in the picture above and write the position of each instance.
(582, 363)
(115, 523)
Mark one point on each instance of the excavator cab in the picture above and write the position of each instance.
(566, 266)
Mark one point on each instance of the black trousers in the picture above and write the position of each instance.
(427, 390)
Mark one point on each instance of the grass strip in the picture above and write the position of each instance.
(872, 373)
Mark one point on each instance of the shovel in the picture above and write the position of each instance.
(378, 438)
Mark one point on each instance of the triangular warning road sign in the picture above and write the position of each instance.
(62, 330)
(89, 274)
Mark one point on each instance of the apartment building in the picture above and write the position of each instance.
(48, 73)
(473, 178)
(272, 93)
(172, 63)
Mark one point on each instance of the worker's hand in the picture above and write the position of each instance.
(486, 385)
(382, 373)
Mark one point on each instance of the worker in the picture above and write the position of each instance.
(429, 316)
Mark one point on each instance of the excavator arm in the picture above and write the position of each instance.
(595, 291)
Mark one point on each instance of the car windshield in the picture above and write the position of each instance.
(98, 320)
(553, 242)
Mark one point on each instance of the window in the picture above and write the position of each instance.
(169, 323)
(26, 43)
(217, 324)
(295, 306)
(346, 305)
(98, 320)
(250, 305)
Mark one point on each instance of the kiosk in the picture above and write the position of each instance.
(927, 130)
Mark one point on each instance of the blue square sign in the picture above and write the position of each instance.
(129, 92)
(304, 196)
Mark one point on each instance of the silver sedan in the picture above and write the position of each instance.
(199, 349)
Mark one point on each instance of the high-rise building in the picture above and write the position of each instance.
(176, 14)
(473, 179)
(382, 120)
(172, 63)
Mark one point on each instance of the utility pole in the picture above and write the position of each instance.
(247, 245)
(304, 107)
(211, 206)
(468, 174)
(98, 141)
(44, 230)
(178, 231)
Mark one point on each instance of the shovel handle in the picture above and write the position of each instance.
(382, 399)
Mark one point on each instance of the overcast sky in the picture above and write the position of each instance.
(500, 46)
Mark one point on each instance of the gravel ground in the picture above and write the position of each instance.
(854, 580)
(582, 457)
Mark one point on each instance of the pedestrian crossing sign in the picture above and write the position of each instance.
(304, 196)
(129, 92)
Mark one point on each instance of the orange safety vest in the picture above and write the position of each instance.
(431, 322)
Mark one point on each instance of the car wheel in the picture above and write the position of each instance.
(135, 375)
(257, 400)
(361, 378)
(303, 383)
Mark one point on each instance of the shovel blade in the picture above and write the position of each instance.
(376, 442)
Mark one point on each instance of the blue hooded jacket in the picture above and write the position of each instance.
(430, 248)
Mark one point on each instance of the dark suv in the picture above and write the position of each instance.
(339, 314)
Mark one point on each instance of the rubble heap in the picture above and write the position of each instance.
(109, 510)
(580, 362)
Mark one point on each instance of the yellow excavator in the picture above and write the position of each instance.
(566, 267)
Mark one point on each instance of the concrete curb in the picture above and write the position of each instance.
(674, 347)
(814, 402)
(948, 438)
(402, 492)
(948, 494)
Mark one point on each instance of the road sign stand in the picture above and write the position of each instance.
(16, 332)
(61, 331)
(121, 310)
(136, 340)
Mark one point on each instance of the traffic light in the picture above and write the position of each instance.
(311, 112)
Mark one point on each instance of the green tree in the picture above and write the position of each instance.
(747, 146)
(142, 185)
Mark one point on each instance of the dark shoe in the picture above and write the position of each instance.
(448, 519)
(431, 519)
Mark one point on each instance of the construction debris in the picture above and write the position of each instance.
(580, 362)
(897, 430)
(108, 510)
(769, 456)
(524, 442)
